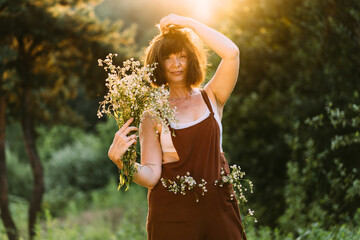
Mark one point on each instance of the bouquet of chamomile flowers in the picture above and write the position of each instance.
(132, 94)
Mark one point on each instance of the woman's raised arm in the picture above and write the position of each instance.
(224, 80)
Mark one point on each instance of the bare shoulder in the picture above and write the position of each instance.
(149, 124)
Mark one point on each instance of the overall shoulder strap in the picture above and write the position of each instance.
(206, 99)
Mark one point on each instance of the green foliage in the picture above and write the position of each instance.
(19, 209)
(325, 187)
(53, 139)
(19, 184)
(81, 165)
(295, 57)
(74, 160)
(103, 214)
(78, 166)
(15, 142)
(314, 231)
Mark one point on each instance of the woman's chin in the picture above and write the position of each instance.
(177, 80)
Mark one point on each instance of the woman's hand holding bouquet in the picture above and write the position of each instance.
(122, 142)
(131, 95)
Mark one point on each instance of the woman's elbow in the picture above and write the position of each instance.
(150, 181)
(152, 184)
(233, 53)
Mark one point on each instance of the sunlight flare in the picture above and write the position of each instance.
(202, 9)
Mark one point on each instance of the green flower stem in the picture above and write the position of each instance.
(126, 174)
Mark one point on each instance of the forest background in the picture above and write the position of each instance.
(292, 122)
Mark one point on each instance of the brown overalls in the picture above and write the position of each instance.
(179, 217)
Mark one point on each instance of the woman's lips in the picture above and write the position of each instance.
(177, 72)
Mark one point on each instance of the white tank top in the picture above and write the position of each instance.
(165, 137)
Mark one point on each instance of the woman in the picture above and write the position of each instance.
(194, 148)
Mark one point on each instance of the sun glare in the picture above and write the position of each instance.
(208, 11)
(202, 9)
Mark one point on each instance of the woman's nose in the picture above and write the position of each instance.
(176, 61)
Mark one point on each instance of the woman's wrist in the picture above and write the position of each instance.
(192, 23)
(120, 166)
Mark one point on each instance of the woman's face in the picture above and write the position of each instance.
(176, 67)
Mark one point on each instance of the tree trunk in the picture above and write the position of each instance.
(6, 218)
(37, 170)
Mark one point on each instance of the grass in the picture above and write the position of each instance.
(107, 214)
(102, 214)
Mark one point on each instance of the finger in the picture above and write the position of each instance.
(126, 124)
(129, 129)
(119, 163)
(168, 24)
(165, 22)
(127, 139)
(124, 131)
(164, 30)
(164, 19)
(173, 26)
(133, 136)
(163, 27)
(131, 142)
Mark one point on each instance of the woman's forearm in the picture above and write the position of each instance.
(222, 45)
(147, 175)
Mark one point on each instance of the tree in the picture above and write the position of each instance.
(4, 202)
(325, 186)
(55, 44)
(296, 56)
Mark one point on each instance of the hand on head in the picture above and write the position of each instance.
(173, 21)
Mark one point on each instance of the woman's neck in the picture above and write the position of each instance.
(179, 92)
